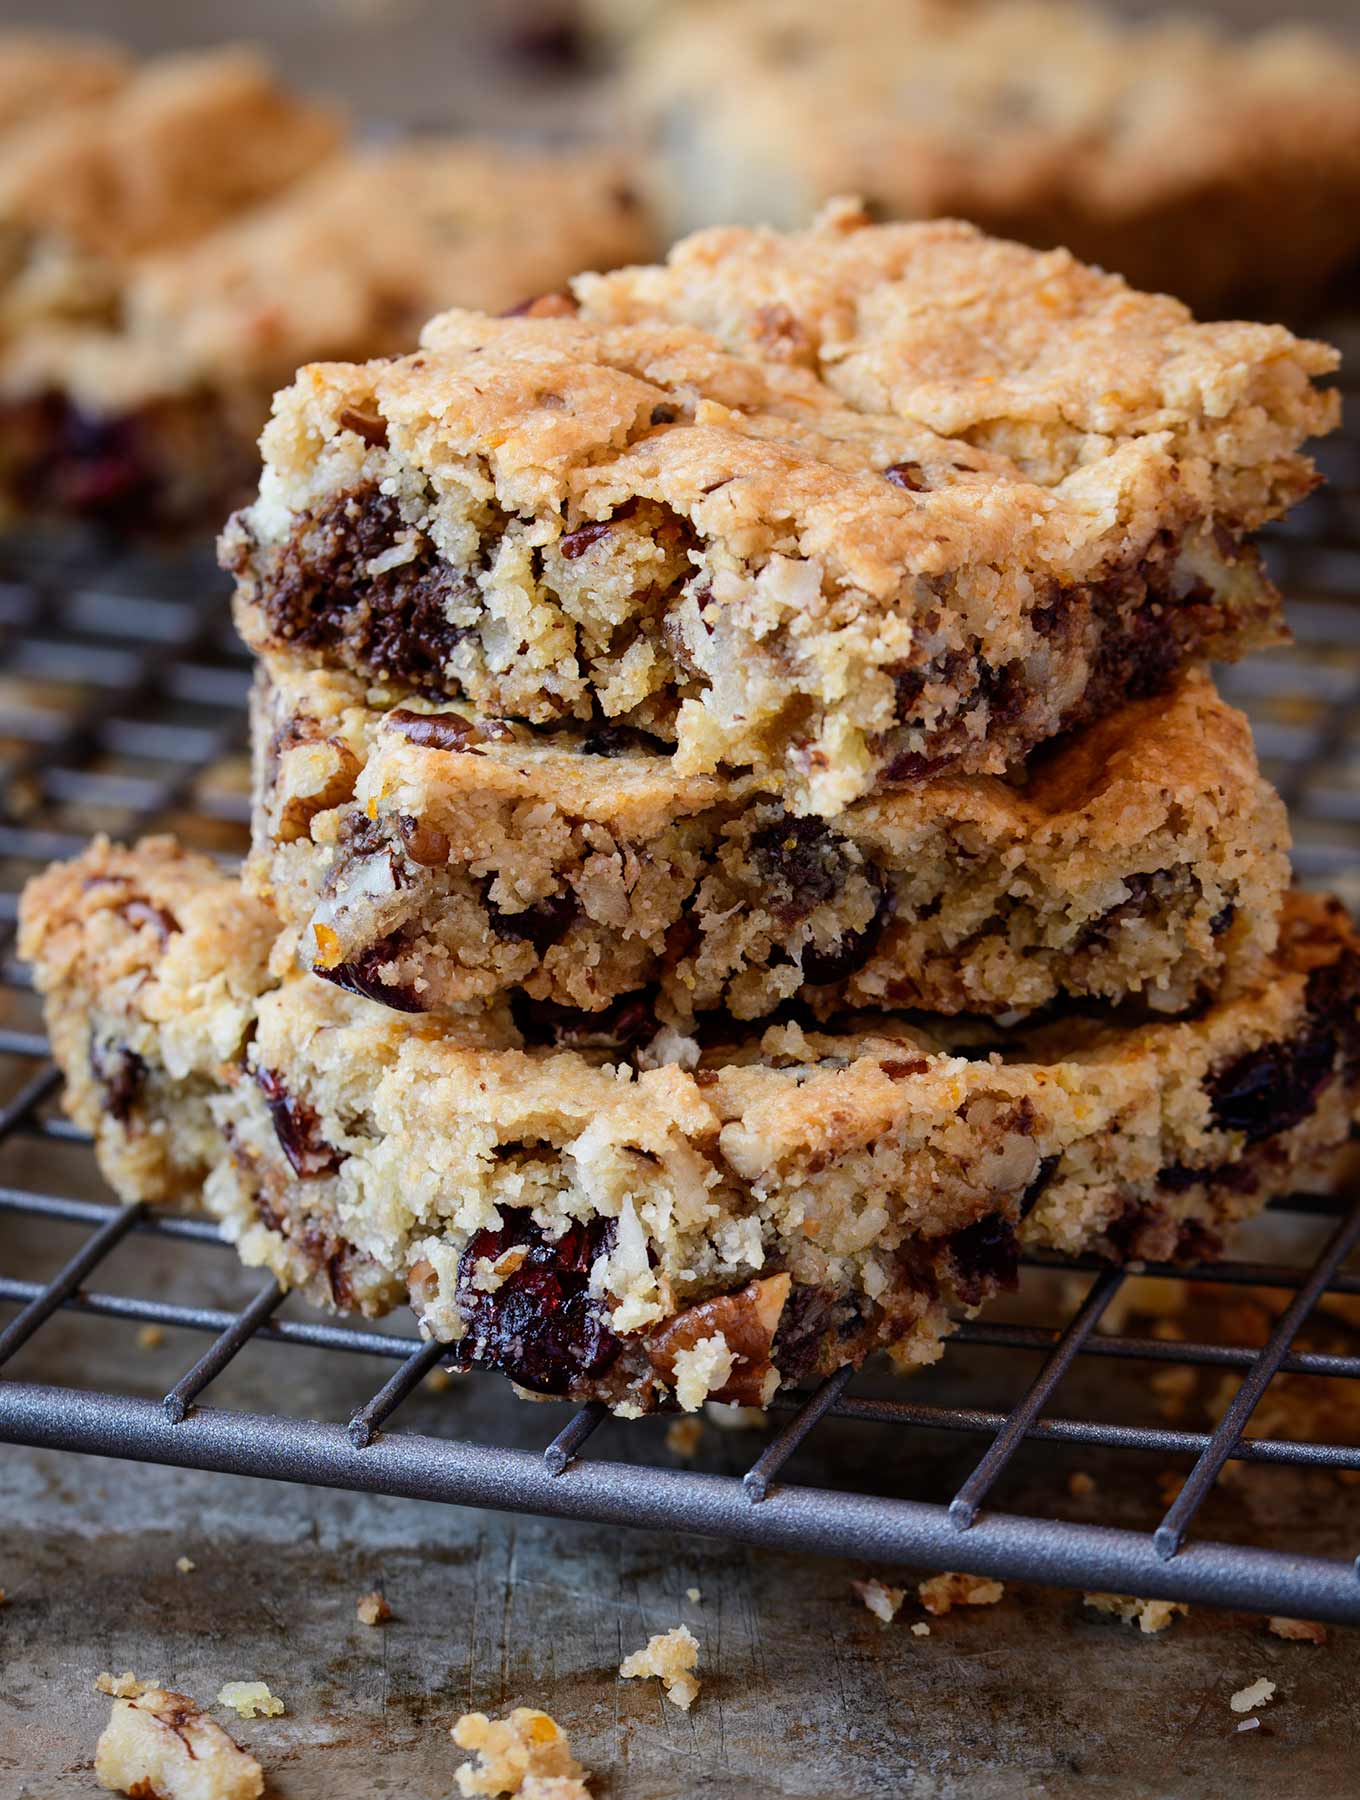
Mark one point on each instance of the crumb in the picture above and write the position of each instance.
(1174, 1389)
(249, 1698)
(1150, 1615)
(1255, 1694)
(920, 1629)
(439, 1380)
(736, 1418)
(671, 1655)
(942, 1592)
(1081, 1485)
(150, 1337)
(1298, 1631)
(185, 1564)
(882, 1601)
(1169, 1484)
(1167, 1331)
(526, 1754)
(693, 1596)
(161, 1743)
(682, 1436)
(373, 1609)
(1250, 1725)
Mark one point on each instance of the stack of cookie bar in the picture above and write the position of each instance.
(744, 838)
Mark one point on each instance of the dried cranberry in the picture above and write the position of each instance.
(855, 948)
(541, 1325)
(803, 861)
(297, 1128)
(121, 1073)
(576, 543)
(1048, 1166)
(360, 976)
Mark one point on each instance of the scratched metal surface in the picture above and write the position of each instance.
(804, 1693)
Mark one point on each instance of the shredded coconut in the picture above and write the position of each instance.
(249, 1699)
(525, 1754)
(161, 1743)
(671, 1655)
(703, 1370)
(882, 1601)
(944, 1592)
(1255, 1694)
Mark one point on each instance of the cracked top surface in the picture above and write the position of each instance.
(875, 449)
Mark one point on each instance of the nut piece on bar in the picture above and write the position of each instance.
(1154, 148)
(158, 411)
(850, 507)
(676, 1221)
(433, 860)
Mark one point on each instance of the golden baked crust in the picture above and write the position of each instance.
(693, 1220)
(1155, 148)
(851, 505)
(436, 861)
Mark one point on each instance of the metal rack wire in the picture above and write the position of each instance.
(121, 708)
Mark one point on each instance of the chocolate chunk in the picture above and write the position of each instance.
(609, 739)
(1222, 919)
(543, 924)
(568, 1028)
(121, 1072)
(1235, 1177)
(297, 1128)
(541, 1325)
(986, 1256)
(317, 592)
(898, 1069)
(664, 415)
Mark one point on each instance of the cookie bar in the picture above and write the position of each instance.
(43, 73)
(1154, 148)
(851, 507)
(152, 964)
(684, 1220)
(159, 410)
(181, 148)
(434, 861)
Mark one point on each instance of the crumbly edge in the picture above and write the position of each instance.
(647, 511)
(423, 857)
(878, 1173)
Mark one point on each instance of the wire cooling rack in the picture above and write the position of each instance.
(121, 708)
